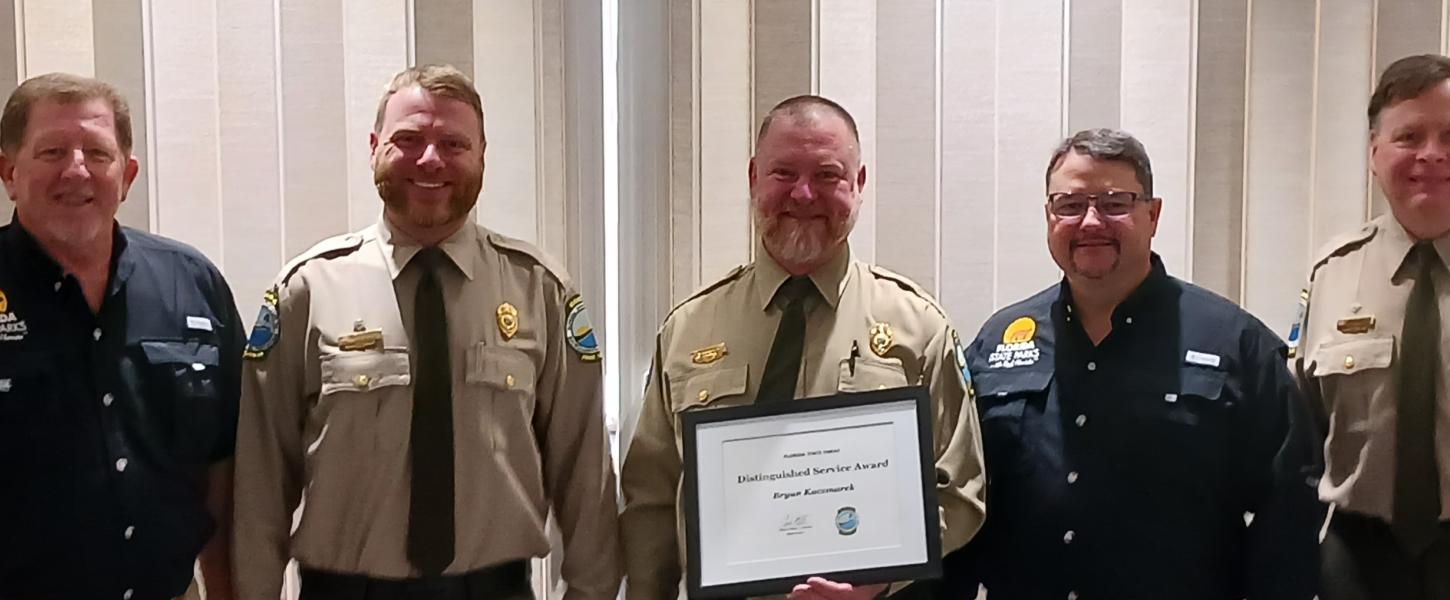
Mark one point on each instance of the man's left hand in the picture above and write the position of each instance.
(817, 588)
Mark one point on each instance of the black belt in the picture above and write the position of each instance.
(509, 580)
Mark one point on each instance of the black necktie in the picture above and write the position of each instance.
(430, 514)
(1417, 479)
(783, 366)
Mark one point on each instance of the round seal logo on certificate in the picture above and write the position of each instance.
(846, 521)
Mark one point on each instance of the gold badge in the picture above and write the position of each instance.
(1020, 331)
(1352, 325)
(880, 338)
(708, 354)
(508, 320)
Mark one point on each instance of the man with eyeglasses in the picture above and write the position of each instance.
(1144, 437)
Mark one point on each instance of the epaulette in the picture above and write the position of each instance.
(332, 247)
(1343, 244)
(906, 284)
(518, 246)
(712, 286)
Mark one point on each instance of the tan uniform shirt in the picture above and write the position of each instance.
(329, 424)
(1347, 366)
(738, 313)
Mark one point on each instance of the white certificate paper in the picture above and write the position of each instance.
(808, 493)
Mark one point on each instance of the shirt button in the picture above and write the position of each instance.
(96, 335)
(1092, 366)
(130, 531)
(703, 395)
(121, 465)
(508, 381)
(128, 594)
(1072, 596)
(1081, 420)
(1129, 320)
(57, 285)
(107, 399)
(1067, 537)
(1072, 477)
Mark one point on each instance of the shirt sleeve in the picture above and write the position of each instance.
(232, 338)
(1283, 462)
(650, 479)
(269, 469)
(960, 467)
(577, 464)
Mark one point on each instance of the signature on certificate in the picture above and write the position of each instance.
(794, 524)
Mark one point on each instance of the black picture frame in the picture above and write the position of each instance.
(927, 570)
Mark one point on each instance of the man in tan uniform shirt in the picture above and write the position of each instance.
(1358, 350)
(334, 365)
(805, 182)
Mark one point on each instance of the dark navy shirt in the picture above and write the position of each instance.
(109, 421)
(1126, 470)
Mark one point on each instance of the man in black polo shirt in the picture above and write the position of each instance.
(1132, 422)
(119, 368)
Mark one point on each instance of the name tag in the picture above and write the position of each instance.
(1202, 358)
(198, 323)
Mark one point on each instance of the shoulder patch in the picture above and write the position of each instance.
(517, 246)
(734, 274)
(1343, 244)
(580, 330)
(1295, 329)
(961, 355)
(266, 330)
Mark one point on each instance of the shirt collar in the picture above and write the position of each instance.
(830, 280)
(33, 258)
(1143, 299)
(399, 249)
(1399, 242)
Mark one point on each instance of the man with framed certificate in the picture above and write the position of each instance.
(735, 483)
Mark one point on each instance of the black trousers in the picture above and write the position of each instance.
(507, 581)
(1362, 560)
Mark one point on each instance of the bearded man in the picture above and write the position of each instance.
(433, 386)
(783, 326)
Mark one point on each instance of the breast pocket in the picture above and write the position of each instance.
(363, 392)
(501, 390)
(709, 388)
(181, 385)
(1349, 373)
(30, 403)
(1003, 403)
(1182, 421)
(865, 373)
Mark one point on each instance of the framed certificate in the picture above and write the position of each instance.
(841, 487)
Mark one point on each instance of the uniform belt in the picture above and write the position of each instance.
(508, 580)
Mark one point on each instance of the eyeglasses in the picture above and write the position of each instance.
(1074, 205)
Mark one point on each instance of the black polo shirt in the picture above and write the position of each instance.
(1125, 470)
(109, 421)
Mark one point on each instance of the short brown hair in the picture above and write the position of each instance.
(63, 88)
(802, 106)
(439, 80)
(1108, 145)
(1406, 79)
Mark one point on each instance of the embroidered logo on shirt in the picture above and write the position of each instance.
(581, 330)
(961, 356)
(12, 327)
(267, 329)
(1017, 348)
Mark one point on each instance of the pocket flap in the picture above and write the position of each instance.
(364, 371)
(870, 373)
(704, 388)
(1010, 382)
(1202, 382)
(179, 352)
(1352, 356)
(503, 369)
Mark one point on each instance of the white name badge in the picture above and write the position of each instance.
(841, 487)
